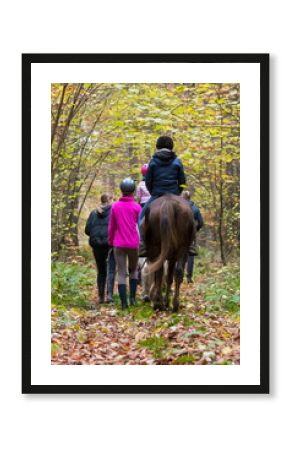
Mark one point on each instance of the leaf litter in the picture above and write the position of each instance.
(198, 334)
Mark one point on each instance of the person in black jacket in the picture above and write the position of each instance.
(199, 224)
(97, 230)
(165, 173)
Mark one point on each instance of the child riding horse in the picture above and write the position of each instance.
(165, 175)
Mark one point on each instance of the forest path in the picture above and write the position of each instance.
(203, 332)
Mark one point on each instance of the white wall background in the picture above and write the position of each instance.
(130, 422)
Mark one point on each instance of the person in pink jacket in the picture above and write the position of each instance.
(143, 194)
(123, 235)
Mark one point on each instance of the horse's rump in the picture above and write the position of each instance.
(169, 229)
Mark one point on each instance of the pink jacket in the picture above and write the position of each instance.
(142, 192)
(123, 224)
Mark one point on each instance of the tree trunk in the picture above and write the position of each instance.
(221, 219)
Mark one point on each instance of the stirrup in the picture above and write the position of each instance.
(192, 250)
(142, 251)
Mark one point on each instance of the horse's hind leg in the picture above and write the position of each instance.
(179, 270)
(146, 279)
(169, 281)
(157, 299)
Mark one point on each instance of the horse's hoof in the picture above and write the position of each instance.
(146, 299)
(159, 307)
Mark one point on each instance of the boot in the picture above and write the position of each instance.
(101, 287)
(192, 249)
(123, 295)
(110, 298)
(142, 249)
(133, 288)
(110, 288)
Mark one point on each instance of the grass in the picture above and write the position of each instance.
(185, 359)
(157, 344)
(143, 312)
(54, 348)
(175, 319)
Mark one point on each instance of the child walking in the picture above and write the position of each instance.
(124, 237)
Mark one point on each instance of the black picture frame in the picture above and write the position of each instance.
(263, 61)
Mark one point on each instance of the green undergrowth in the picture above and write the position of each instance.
(86, 253)
(71, 284)
(220, 288)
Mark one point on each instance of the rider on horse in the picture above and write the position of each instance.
(142, 193)
(165, 175)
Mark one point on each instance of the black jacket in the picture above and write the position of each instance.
(97, 226)
(165, 174)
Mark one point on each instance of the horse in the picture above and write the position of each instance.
(168, 230)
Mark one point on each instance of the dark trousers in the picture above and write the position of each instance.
(111, 272)
(190, 264)
(101, 256)
(144, 207)
(142, 214)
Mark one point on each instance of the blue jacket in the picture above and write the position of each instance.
(165, 174)
(197, 215)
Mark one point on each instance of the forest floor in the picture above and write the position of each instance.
(206, 330)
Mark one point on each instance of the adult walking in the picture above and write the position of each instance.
(124, 237)
(199, 224)
(111, 276)
(97, 230)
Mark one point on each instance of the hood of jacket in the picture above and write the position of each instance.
(164, 156)
(103, 210)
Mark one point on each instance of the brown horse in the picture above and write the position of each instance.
(168, 230)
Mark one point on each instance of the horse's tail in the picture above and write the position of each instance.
(168, 234)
